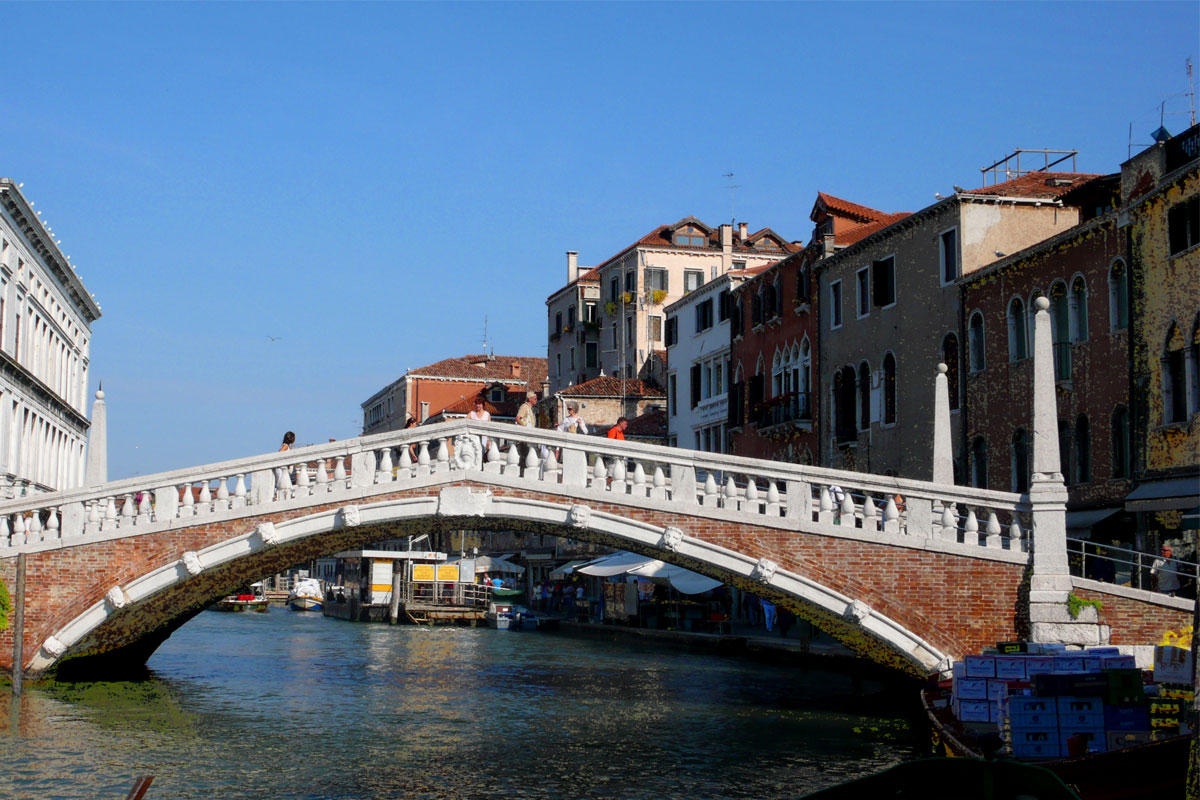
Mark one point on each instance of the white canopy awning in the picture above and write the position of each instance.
(489, 564)
(566, 569)
(682, 580)
(616, 564)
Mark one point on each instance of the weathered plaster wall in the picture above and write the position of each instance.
(988, 227)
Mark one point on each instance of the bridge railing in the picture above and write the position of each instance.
(584, 466)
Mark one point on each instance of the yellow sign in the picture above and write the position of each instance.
(422, 572)
(447, 572)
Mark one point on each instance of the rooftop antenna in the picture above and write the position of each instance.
(732, 187)
(1191, 90)
(485, 338)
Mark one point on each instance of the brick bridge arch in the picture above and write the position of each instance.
(908, 585)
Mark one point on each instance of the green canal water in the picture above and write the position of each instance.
(294, 705)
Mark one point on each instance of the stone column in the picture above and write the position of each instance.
(97, 453)
(943, 452)
(1051, 578)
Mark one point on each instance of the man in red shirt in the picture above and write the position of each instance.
(618, 431)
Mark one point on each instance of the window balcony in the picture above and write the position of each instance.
(790, 407)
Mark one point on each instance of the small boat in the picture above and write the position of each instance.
(507, 595)
(306, 595)
(253, 598)
(499, 616)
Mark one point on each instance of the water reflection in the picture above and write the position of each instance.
(288, 705)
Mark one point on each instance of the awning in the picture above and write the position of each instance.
(1082, 521)
(616, 564)
(489, 564)
(682, 580)
(1191, 520)
(1165, 494)
(566, 569)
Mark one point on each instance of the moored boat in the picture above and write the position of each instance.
(253, 598)
(306, 595)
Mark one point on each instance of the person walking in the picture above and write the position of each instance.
(289, 439)
(527, 414)
(572, 423)
(1165, 572)
(617, 431)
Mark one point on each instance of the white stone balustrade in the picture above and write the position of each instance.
(787, 496)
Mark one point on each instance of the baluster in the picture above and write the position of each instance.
(188, 501)
(550, 473)
(731, 493)
(773, 506)
(619, 473)
(283, 485)
(949, 523)
(891, 516)
(658, 489)
(406, 463)
(512, 459)
(870, 514)
(52, 524)
(93, 517)
(1014, 537)
(143, 508)
(971, 528)
(339, 471)
(599, 472)
(205, 501)
(239, 491)
(847, 510)
(993, 531)
(825, 506)
(127, 513)
(323, 475)
(639, 480)
(533, 463)
(110, 514)
(752, 495)
(223, 493)
(20, 531)
(384, 473)
(6, 537)
(303, 484)
(710, 491)
(424, 461)
(494, 462)
(443, 456)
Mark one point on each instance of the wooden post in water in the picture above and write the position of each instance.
(394, 606)
(18, 668)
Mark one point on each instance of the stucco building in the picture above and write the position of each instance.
(46, 315)
(1160, 190)
(425, 391)
(573, 350)
(602, 400)
(890, 313)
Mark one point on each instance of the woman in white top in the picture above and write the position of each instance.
(480, 414)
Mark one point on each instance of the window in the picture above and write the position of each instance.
(883, 281)
(629, 333)
(950, 358)
(949, 255)
(864, 292)
(497, 395)
(704, 315)
(1020, 461)
(557, 324)
(1064, 449)
(889, 389)
(978, 361)
(558, 365)
(778, 297)
(1060, 328)
(692, 280)
(614, 336)
(631, 281)
(1120, 443)
(672, 395)
(687, 240)
(589, 311)
(656, 279)
(1018, 346)
(672, 331)
(590, 355)
(1183, 225)
(979, 463)
(614, 289)
(843, 404)
(1078, 309)
(1118, 297)
(756, 311)
(571, 316)
(864, 396)
(1174, 391)
(1083, 450)
(835, 304)
(723, 303)
(655, 329)
(571, 361)
(802, 291)
(694, 377)
(739, 265)
(706, 384)
(736, 316)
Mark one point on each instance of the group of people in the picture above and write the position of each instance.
(553, 597)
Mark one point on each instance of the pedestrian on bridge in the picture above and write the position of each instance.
(289, 439)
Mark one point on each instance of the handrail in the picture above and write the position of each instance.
(1139, 563)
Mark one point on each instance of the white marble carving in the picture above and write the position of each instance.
(671, 539)
(579, 516)
(191, 561)
(53, 647)
(857, 611)
(116, 597)
(266, 532)
(460, 501)
(468, 452)
(350, 516)
(764, 570)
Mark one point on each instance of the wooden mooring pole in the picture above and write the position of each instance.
(18, 668)
(394, 606)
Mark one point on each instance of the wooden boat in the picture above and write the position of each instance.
(1153, 770)
(306, 595)
(252, 599)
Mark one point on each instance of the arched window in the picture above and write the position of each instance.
(843, 391)
(769, 305)
(777, 375)
(950, 358)
(864, 396)
(1083, 450)
(804, 385)
(889, 389)
(1064, 449)
(1018, 344)
(1020, 461)
(978, 361)
(778, 295)
(1060, 331)
(1120, 442)
(1079, 309)
(756, 308)
(1174, 383)
(979, 465)
(1118, 297)
(802, 285)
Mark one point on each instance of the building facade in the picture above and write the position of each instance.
(890, 314)
(1160, 190)
(573, 350)
(603, 400)
(46, 315)
(424, 392)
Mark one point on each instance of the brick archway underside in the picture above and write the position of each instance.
(905, 608)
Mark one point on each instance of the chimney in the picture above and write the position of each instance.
(572, 266)
(827, 245)
(516, 369)
(743, 231)
(726, 249)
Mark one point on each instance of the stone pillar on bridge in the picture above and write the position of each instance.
(1050, 583)
(96, 469)
(943, 451)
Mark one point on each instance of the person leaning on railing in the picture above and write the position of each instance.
(1165, 572)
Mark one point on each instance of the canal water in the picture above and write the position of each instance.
(295, 705)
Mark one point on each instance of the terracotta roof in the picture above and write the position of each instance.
(487, 368)
(848, 209)
(1037, 185)
(608, 386)
(650, 425)
(860, 232)
(505, 408)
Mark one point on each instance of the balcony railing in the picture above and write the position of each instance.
(790, 407)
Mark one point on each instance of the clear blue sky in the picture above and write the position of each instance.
(369, 181)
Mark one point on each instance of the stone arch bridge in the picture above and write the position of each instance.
(908, 573)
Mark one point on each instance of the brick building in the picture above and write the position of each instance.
(602, 400)
(1082, 271)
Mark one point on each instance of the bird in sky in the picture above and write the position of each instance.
(274, 338)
